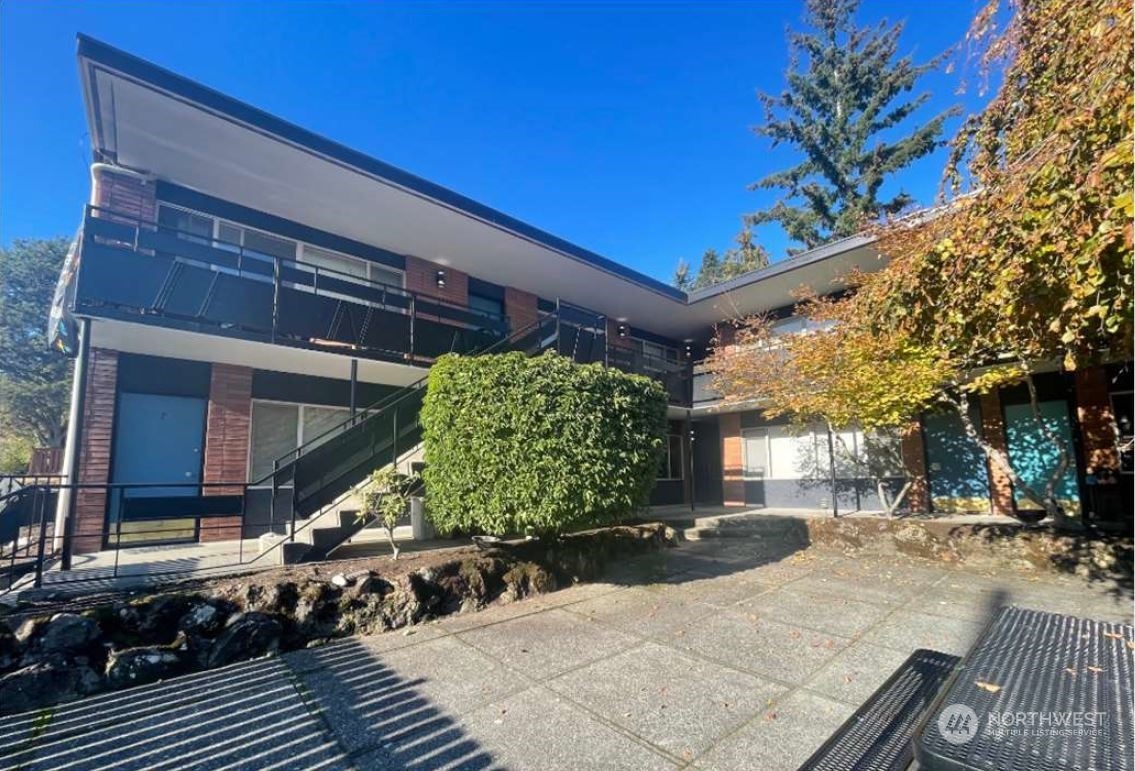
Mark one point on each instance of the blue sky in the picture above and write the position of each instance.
(623, 127)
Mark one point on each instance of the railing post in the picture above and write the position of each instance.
(394, 440)
(413, 320)
(275, 295)
(38, 506)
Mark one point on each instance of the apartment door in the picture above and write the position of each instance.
(158, 439)
(1035, 457)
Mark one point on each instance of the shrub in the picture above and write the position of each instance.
(516, 444)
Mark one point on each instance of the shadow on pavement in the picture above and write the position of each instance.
(254, 715)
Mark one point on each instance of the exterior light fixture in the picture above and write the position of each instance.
(689, 351)
(622, 330)
(441, 279)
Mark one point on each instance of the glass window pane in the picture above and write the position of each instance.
(229, 234)
(487, 305)
(318, 420)
(792, 454)
(272, 246)
(190, 226)
(384, 275)
(337, 262)
(274, 433)
(676, 466)
(754, 448)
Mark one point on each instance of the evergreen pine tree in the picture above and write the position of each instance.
(845, 89)
(710, 271)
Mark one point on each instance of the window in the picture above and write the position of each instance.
(656, 351)
(258, 244)
(792, 454)
(754, 453)
(672, 466)
(280, 427)
(190, 226)
(339, 263)
(490, 306)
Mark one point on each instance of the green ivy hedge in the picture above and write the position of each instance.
(515, 443)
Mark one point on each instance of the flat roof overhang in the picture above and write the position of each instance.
(146, 118)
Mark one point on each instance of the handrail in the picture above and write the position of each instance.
(383, 404)
(241, 252)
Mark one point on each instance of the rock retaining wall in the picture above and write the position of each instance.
(54, 658)
(980, 546)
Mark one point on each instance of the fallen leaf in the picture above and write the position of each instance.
(987, 686)
(1070, 671)
(1095, 670)
(1113, 635)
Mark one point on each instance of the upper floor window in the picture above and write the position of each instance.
(257, 243)
(490, 306)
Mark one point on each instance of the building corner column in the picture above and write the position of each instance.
(732, 462)
(913, 450)
(227, 429)
(993, 431)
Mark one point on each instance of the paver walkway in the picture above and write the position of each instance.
(719, 655)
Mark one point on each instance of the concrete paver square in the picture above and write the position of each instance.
(679, 703)
(780, 739)
(544, 644)
(640, 611)
(856, 672)
(834, 614)
(540, 730)
(778, 651)
(908, 630)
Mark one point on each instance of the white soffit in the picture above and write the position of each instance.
(195, 346)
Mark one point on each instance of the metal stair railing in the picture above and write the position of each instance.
(333, 463)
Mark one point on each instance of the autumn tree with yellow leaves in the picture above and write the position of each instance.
(1028, 262)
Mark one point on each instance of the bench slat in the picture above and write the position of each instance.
(879, 735)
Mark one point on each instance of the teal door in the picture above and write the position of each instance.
(1035, 457)
(158, 439)
(959, 482)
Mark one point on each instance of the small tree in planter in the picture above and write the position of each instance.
(387, 498)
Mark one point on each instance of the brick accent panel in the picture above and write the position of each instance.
(1097, 423)
(914, 461)
(421, 277)
(732, 463)
(94, 452)
(226, 442)
(993, 431)
(126, 193)
(521, 308)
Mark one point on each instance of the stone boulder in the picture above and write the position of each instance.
(246, 636)
(63, 634)
(9, 648)
(138, 666)
(204, 618)
(51, 680)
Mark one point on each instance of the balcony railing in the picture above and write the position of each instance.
(139, 271)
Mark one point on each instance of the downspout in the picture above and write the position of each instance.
(831, 468)
(65, 509)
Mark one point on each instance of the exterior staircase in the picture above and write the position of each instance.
(325, 474)
(776, 529)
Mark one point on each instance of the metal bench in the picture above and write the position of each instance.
(1037, 692)
(878, 736)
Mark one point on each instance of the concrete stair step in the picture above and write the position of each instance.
(763, 527)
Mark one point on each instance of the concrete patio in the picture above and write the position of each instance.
(727, 654)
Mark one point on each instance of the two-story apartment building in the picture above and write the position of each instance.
(241, 287)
